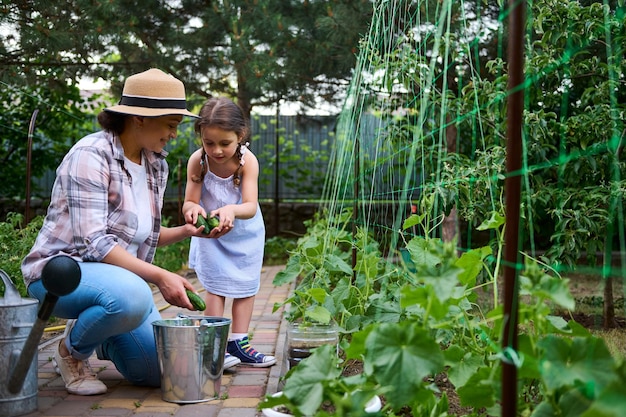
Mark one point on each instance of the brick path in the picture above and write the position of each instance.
(241, 390)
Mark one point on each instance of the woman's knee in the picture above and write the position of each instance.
(135, 304)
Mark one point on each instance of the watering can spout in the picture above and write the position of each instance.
(60, 276)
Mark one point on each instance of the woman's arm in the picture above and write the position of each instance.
(193, 190)
(171, 285)
(175, 234)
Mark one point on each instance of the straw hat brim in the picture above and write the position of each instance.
(148, 112)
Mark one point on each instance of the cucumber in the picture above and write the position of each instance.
(208, 224)
(213, 222)
(197, 301)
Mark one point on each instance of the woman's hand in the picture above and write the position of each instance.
(172, 287)
(192, 212)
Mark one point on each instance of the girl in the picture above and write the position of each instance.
(222, 181)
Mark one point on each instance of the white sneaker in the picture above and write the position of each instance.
(77, 374)
(69, 325)
(230, 361)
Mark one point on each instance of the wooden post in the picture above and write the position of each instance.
(512, 188)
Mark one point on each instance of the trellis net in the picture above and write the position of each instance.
(432, 80)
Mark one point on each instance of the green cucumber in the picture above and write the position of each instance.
(208, 224)
(213, 222)
(197, 301)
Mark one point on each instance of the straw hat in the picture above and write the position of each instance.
(152, 93)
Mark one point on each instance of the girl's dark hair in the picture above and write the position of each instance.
(112, 122)
(223, 113)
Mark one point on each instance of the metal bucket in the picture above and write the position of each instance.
(191, 353)
(17, 316)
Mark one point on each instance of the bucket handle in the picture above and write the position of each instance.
(10, 292)
(204, 324)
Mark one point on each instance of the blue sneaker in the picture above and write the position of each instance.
(241, 349)
(230, 361)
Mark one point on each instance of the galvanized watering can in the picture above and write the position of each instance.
(21, 329)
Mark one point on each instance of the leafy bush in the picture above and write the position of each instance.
(410, 321)
(277, 250)
(15, 243)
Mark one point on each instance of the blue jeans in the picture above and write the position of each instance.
(114, 310)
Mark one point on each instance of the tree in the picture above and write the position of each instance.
(259, 51)
(61, 120)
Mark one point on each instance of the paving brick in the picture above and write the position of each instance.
(111, 412)
(246, 391)
(198, 410)
(250, 379)
(242, 389)
(237, 412)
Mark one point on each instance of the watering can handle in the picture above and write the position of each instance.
(10, 292)
(60, 276)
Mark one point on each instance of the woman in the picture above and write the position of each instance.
(105, 212)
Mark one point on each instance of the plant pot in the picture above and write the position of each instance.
(373, 406)
(304, 337)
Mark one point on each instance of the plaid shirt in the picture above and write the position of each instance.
(92, 208)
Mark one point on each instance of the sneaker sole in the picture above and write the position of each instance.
(56, 366)
(258, 365)
(232, 363)
(99, 391)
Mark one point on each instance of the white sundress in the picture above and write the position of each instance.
(229, 266)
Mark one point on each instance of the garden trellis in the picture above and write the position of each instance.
(438, 75)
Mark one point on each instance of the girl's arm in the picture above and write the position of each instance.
(193, 191)
(249, 193)
(249, 187)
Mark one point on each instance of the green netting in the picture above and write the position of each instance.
(432, 80)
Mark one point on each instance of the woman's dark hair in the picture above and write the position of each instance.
(223, 113)
(112, 122)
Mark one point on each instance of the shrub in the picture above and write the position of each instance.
(16, 241)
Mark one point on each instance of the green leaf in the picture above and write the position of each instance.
(382, 311)
(358, 346)
(444, 283)
(400, 356)
(480, 390)
(318, 294)
(305, 386)
(318, 314)
(335, 264)
(462, 364)
(494, 222)
(413, 220)
(290, 273)
(472, 263)
(420, 254)
(579, 360)
(573, 403)
(610, 403)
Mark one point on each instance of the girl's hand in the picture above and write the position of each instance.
(226, 215)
